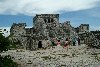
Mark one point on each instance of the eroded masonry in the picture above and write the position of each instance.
(46, 29)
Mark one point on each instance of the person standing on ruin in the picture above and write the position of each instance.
(58, 44)
(69, 41)
(78, 40)
(74, 40)
(66, 43)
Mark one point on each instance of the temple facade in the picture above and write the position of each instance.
(46, 27)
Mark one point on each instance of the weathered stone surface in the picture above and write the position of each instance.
(18, 34)
(45, 27)
(91, 39)
(76, 56)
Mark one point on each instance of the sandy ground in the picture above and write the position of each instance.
(75, 56)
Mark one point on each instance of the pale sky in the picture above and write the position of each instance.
(76, 11)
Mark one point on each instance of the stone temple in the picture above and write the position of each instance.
(46, 28)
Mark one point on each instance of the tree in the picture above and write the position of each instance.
(4, 46)
(4, 43)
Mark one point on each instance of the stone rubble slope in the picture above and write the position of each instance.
(76, 56)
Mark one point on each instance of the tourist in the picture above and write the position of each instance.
(69, 41)
(74, 40)
(78, 40)
(53, 43)
(58, 44)
(66, 43)
(53, 40)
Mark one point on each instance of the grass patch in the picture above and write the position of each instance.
(62, 65)
(64, 55)
(47, 57)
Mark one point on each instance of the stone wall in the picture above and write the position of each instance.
(18, 34)
(84, 28)
(45, 27)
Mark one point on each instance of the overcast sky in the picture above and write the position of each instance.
(76, 11)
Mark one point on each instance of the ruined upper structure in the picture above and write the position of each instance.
(18, 29)
(45, 27)
(46, 24)
(49, 19)
(84, 28)
(18, 34)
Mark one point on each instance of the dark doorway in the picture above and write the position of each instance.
(40, 44)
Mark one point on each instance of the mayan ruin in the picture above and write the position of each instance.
(45, 27)
(49, 33)
(48, 40)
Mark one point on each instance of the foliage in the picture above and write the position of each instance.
(4, 43)
(4, 46)
(12, 44)
(7, 62)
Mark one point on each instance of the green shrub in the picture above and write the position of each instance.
(4, 46)
(7, 62)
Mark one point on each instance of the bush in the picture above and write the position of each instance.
(4, 46)
(7, 62)
(4, 43)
